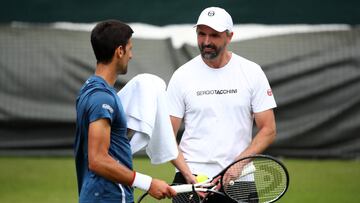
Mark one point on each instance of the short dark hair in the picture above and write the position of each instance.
(108, 36)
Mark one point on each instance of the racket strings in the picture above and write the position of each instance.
(188, 197)
(265, 182)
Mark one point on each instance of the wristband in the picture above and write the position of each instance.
(142, 181)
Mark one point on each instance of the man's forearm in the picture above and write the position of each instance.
(184, 169)
(262, 140)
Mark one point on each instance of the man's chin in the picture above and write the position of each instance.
(209, 56)
(122, 72)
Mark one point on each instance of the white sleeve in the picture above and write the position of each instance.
(175, 96)
(262, 96)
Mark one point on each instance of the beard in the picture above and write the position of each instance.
(210, 54)
(122, 70)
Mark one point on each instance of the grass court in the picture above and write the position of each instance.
(53, 179)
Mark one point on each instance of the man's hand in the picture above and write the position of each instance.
(160, 189)
(190, 179)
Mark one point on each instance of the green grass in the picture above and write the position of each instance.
(323, 181)
(30, 180)
(53, 180)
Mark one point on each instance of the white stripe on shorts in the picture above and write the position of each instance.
(122, 194)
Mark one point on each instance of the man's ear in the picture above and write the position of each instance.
(119, 51)
(230, 35)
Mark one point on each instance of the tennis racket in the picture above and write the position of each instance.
(257, 178)
(188, 197)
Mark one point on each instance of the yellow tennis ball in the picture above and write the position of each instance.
(201, 178)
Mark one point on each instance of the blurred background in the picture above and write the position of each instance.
(309, 50)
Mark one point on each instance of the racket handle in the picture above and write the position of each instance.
(183, 188)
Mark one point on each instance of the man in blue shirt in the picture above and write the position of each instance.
(102, 150)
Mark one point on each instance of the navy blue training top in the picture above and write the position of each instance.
(98, 100)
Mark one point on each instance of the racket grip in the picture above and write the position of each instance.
(183, 188)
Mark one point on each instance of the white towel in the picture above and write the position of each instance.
(145, 105)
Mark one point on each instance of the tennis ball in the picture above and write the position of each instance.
(201, 178)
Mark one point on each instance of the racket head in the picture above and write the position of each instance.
(191, 197)
(257, 178)
(187, 197)
(143, 197)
